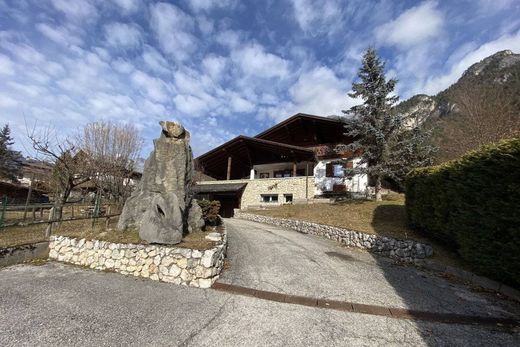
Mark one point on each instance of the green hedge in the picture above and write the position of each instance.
(473, 205)
(210, 211)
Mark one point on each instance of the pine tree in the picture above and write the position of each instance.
(386, 147)
(10, 160)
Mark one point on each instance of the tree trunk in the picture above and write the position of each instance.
(378, 189)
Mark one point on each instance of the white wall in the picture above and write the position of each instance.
(324, 184)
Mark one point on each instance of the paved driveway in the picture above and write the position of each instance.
(56, 304)
(272, 258)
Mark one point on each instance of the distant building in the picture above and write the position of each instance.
(299, 159)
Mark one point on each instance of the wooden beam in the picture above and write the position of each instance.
(294, 169)
(228, 176)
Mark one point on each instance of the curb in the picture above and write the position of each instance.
(397, 313)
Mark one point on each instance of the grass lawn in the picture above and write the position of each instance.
(20, 235)
(385, 218)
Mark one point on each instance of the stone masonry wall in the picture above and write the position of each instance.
(402, 250)
(279, 186)
(161, 263)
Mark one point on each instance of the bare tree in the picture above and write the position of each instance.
(481, 115)
(111, 151)
(68, 170)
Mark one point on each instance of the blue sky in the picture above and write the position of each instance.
(227, 67)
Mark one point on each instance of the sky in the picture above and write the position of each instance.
(228, 67)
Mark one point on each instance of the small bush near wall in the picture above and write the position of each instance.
(473, 204)
(210, 211)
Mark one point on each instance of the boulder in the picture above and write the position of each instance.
(162, 207)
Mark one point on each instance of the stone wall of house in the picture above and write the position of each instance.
(252, 195)
(161, 263)
(402, 250)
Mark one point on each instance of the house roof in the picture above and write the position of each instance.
(306, 130)
(246, 152)
(218, 188)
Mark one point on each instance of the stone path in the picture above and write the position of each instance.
(270, 259)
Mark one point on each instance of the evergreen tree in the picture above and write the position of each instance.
(10, 160)
(387, 148)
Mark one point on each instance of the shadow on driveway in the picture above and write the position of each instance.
(424, 291)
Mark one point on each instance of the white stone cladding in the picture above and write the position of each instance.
(407, 251)
(195, 268)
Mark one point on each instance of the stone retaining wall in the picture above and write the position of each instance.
(23, 253)
(402, 250)
(161, 263)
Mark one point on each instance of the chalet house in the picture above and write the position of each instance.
(298, 160)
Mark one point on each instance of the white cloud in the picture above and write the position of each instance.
(77, 9)
(317, 91)
(153, 87)
(155, 60)
(255, 61)
(414, 26)
(6, 65)
(60, 35)
(7, 102)
(241, 105)
(121, 35)
(208, 5)
(318, 16)
(228, 38)
(173, 28)
(128, 6)
(321, 92)
(505, 42)
(122, 66)
(191, 105)
(214, 66)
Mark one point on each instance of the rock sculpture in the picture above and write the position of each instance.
(162, 207)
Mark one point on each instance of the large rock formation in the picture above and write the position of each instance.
(162, 207)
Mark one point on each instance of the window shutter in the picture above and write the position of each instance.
(329, 170)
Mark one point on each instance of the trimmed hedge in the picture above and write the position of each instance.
(473, 205)
(210, 210)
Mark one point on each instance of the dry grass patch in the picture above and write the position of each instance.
(385, 218)
(84, 229)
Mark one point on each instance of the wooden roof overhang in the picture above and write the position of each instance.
(245, 152)
(218, 188)
(306, 130)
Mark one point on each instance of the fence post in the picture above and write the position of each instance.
(2, 213)
(96, 210)
(107, 222)
(48, 231)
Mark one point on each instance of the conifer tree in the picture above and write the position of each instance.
(10, 160)
(387, 148)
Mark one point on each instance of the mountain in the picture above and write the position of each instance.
(482, 106)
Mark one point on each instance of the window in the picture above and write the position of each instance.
(269, 197)
(288, 198)
(337, 169)
(264, 175)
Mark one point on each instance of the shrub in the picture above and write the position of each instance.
(473, 204)
(210, 210)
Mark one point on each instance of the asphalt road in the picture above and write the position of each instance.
(271, 258)
(57, 304)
